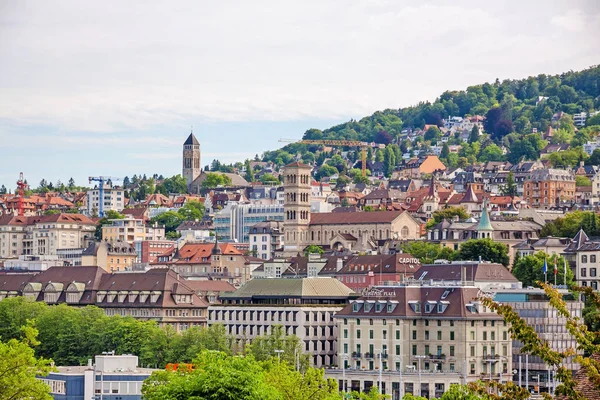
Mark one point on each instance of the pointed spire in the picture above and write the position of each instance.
(470, 196)
(216, 249)
(191, 139)
(432, 193)
(580, 238)
(484, 221)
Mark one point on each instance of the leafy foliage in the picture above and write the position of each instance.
(571, 223)
(19, 368)
(108, 215)
(530, 269)
(448, 214)
(214, 179)
(427, 253)
(313, 249)
(174, 184)
(487, 249)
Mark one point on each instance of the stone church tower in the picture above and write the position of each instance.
(191, 159)
(297, 193)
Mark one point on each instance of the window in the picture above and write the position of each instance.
(584, 259)
(426, 335)
(370, 333)
(472, 351)
(451, 335)
(397, 335)
(472, 335)
(397, 349)
(593, 258)
(472, 369)
(414, 350)
(345, 333)
(439, 335)
(451, 351)
(414, 334)
(357, 321)
(358, 333)
(484, 335)
(426, 349)
(504, 335)
(492, 335)
(592, 271)
(583, 271)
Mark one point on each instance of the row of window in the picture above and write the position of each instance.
(584, 258)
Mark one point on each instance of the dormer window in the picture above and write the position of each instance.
(378, 307)
(415, 305)
(100, 297)
(472, 308)
(154, 296)
(442, 305)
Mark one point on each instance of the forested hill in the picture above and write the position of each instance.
(513, 101)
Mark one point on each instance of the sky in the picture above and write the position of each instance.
(113, 88)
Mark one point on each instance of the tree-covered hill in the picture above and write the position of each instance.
(516, 101)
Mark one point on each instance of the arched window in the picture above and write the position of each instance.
(404, 231)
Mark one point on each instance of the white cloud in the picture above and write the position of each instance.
(130, 66)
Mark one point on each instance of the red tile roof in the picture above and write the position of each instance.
(376, 217)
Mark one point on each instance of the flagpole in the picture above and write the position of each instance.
(545, 271)
(555, 271)
(565, 277)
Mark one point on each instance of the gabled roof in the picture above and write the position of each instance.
(376, 217)
(326, 288)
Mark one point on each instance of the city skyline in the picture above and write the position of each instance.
(119, 96)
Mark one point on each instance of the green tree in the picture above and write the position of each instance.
(474, 135)
(427, 252)
(19, 368)
(71, 184)
(214, 179)
(487, 249)
(191, 210)
(263, 348)
(530, 269)
(174, 184)
(389, 161)
(445, 152)
(379, 156)
(268, 178)
(313, 249)
(446, 213)
(510, 189)
(325, 171)
(571, 223)
(581, 180)
(249, 176)
(433, 134)
(491, 153)
(216, 376)
(169, 219)
(295, 385)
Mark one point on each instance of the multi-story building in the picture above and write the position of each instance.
(43, 235)
(110, 256)
(420, 338)
(305, 307)
(158, 294)
(149, 250)
(584, 255)
(549, 188)
(596, 189)
(534, 307)
(114, 199)
(234, 221)
(130, 230)
(117, 377)
(266, 237)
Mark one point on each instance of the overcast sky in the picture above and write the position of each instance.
(112, 87)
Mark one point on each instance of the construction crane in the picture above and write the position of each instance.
(348, 143)
(101, 181)
(21, 186)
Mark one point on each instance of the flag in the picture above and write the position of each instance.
(555, 267)
(565, 277)
(545, 267)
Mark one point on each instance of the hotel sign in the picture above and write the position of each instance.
(379, 293)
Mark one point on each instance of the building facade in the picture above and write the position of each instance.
(420, 339)
(43, 235)
(130, 230)
(114, 199)
(305, 307)
(234, 221)
(265, 238)
(549, 188)
(297, 197)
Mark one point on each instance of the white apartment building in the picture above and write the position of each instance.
(305, 307)
(420, 339)
(265, 238)
(114, 199)
(130, 230)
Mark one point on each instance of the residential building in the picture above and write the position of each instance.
(584, 254)
(148, 250)
(549, 188)
(130, 229)
(114, 199)
(427, 165)
(305, 307)
(43, 235)
(596, 189)
(549, 245)
(110, 256)
(265, 238)
(215, 261)
(420, 338)
(485, 276)
(112, 377)
(158, 294)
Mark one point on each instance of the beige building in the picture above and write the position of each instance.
(584, 255)
(43, 235)
(305, 307)
(110, 256)
(130, 230)
(420, 339)
(549, 188)
(191, 159)
(114, 199)
(297, 196)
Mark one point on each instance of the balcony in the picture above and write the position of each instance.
(368, 355)
(491, 358)
(437, 357)
(356, 354)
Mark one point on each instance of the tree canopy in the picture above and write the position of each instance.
(484, 249)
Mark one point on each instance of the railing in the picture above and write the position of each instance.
(356, 355)
(437, 356)
(368, 355)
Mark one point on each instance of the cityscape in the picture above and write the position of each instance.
(447, 249)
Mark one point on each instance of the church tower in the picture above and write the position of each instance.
(296, 206)
(191, 159)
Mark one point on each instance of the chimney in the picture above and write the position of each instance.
(339, 264)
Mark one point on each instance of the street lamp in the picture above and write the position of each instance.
(420, 387)
(279, 354)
